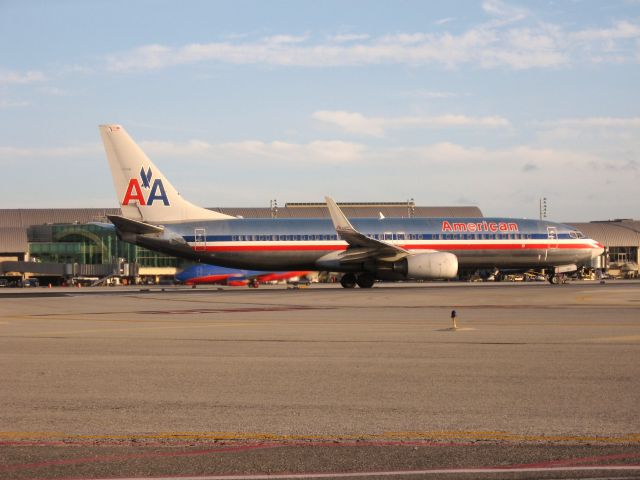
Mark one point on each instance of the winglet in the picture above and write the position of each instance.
(355, 239)
(340, 222)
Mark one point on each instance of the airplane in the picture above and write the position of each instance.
(210, 274)
(156, 216)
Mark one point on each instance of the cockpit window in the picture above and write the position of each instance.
(576, 234)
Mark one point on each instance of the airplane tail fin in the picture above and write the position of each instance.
(144, 193)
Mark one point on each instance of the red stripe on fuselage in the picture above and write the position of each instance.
(251, 248)
(441, 246)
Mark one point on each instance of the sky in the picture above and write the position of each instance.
(472, 102)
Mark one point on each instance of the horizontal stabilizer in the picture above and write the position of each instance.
(133, 226)
(108, 226)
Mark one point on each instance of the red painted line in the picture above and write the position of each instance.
(231, 449)
(36, 443)
(117, 458)
(384, 473)
(570, 464)
(577, 461)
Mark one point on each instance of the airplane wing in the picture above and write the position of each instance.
(209, 274)
(274, 276)
(210, 279)
(360, 246)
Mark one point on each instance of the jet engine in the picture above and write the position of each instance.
(427, 266)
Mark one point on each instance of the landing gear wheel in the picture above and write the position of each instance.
(553, 279)
(348, 280)
(365, 280)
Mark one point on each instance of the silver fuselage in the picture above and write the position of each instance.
(298, 244)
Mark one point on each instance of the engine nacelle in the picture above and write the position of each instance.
(429, 266)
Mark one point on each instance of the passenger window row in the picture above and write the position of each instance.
(388, 236)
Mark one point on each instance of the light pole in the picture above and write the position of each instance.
(543, 208)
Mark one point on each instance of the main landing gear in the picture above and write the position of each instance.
(364, 280)
(557, 279)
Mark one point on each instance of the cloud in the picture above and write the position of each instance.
(454, 156)
(352, 122)
(599, 132)
(13, 104)
(349, 37)
(620, 30)
(516, 158)
(54, 91)
(462, 200)
(9, 153)
(192, 148)
(504, 181)
(73, 151)
(430, 94)
(358, 123)
(327, 152)
(594, 122)
(248, 151)
(443, 156)
(500, 9)
(493, 44)
(19, 78)
(443, 21)
(279, 39)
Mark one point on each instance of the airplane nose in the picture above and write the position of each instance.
(597, 250)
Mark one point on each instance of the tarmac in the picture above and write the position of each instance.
(537, 381)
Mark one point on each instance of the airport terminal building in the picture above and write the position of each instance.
(58, 245)
(621, 239)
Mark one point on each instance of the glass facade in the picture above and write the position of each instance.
(91, 244)
(623, 254)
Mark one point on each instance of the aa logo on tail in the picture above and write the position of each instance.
(155, 192)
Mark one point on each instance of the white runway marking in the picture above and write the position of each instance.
(393, 473)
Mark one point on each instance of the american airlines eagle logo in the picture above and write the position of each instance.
(153, 191)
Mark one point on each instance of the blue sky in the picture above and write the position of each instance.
(491, 103)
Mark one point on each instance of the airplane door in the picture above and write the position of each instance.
(552, 235)
(200, 239)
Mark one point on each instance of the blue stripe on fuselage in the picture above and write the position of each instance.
(320, 229)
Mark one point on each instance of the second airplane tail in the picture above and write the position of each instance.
(144, 193)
